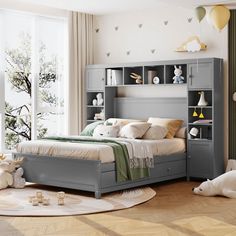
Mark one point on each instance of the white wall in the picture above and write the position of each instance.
(154, 34)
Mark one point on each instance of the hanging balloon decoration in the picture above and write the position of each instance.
(220, 16)
(208, 18)
(200, 13)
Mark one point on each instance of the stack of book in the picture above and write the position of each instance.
(114, 77)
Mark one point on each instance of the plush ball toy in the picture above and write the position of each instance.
(178, 79)
(224, 185)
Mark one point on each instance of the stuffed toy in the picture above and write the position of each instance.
(6, 178)
(224, 185)
(106, 131)
(18, 181)
(9, 173)
(178, 79)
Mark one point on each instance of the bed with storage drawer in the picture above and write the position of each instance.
(59, 166)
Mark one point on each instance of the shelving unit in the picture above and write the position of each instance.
(206, 149)
(205, 152)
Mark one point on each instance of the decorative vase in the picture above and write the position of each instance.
(202, 101)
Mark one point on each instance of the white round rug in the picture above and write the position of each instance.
(15, 202)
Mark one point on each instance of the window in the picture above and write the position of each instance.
(32, 77)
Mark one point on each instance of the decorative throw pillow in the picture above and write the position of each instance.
(156, 132)
(106, 131)
(181, 133)
(119, 121)
(134, 130)
(172, 125)
(88, 130)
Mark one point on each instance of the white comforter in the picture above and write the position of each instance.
(136, 147)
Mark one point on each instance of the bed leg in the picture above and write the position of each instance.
(98, 194)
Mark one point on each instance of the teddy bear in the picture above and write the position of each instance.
(178, 79)
(224, 185)
(11, 173)
(18, 180)
(6, 178)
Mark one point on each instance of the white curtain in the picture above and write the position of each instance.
(80, 55)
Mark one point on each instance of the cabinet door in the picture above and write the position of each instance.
(200, 75)
(200, 159)
(95, 79)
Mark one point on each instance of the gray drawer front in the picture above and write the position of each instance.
(160, 170)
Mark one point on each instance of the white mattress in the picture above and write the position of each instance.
(100, 152)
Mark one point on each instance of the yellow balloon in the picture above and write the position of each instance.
(220, 16)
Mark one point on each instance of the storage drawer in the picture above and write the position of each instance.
(160, 170)
(169, 168)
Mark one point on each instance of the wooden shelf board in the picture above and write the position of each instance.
(203, 107)
(201, 124)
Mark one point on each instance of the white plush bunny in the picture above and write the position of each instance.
(178, 79)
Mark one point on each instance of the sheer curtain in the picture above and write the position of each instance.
(80, 55)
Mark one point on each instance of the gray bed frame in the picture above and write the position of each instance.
(97, 177)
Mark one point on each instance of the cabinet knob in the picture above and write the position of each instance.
(168, 169)
(103, 79)
(189, 157)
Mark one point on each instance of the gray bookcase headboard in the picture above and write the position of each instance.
(143, 108)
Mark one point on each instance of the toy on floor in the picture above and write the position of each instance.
(39, 198)
(11, 173)
(224, 185)
(60, 198)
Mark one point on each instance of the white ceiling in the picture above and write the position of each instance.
(115, 6)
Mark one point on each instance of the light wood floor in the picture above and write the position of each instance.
(174, 211)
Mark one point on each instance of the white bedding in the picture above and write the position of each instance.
(100, 152)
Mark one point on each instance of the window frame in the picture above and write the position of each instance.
(35, 108)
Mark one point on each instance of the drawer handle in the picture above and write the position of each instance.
(168, 169)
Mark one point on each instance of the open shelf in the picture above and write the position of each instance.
(91, 96)
(169, 73)
(154, 71)
(194, 96)
(204, 132)
(114, 76)
(128, 70)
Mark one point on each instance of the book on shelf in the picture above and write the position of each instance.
(114, 77)
(203, 121)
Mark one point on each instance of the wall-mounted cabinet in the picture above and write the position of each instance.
(200, 75)
(95, 79)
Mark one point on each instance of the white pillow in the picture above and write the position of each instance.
(172, 125)
(156, 132)
(119, 121)
(106, 131)
(134, 130)
(181, 133)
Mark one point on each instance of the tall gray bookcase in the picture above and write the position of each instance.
(205, 152)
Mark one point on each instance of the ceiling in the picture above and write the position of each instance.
(101, 7)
